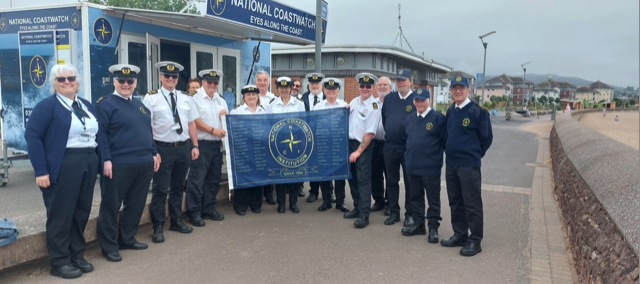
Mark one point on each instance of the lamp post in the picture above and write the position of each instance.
(484, 65)
(553, 113)
(525, 80)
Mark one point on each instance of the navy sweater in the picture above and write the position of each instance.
(469, 135)
(126, 130)
(394, 111)
(425, 143)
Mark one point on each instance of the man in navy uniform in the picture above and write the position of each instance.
(129, 159)
(173, 115)
(363, 122)
(397, 106)
(426, 136)
(310, 99)
(469, 136)
(205, 173)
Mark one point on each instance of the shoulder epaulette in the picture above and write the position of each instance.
(222, 97)
(192, 93)
(100, 99)
(153, 92)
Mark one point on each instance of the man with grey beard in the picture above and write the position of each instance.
(383, 88)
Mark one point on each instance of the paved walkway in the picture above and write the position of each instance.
(524, 240)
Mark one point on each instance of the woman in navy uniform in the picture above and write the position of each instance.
(61, 139)
(251, 197)
(129, 158)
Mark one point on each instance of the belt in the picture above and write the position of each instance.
(209, 141)
(172, 144)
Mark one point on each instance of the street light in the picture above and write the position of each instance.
(484, 65)
(525, 79)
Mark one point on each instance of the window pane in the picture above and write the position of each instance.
(229, 65)
(137, 56)
(204, 60)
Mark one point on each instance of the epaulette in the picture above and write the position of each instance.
(192, 93)
(100, 99)
(153, 92)
(222, 97)
(375, 105)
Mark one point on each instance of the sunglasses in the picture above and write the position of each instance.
(167, 76)
(61, 80)
(366, 86)
(128, 81)
(296, 86)
(211, 82)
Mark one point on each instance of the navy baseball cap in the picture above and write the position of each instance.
(422, 94)
(460, 81)
(404, 74)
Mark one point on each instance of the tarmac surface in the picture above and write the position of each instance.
(323, 247)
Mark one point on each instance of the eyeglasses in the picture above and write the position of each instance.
(167, 76)
(297, 86)
(61, 80)
(363, 86)
(458, 88)
(211, 82)
(128, 81)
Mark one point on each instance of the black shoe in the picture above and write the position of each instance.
(134, 246)
(270, 199)
(387, 212)
(394, 218)
(294, 208)
(355, 213)
(300, 192)
(312, 197)
(471, 249)
(179, 226)
(240, 212)
(325, 205)
(414, 230)
(377, 207)
(455, 241)
(215, 216)
(408, 221)
(158, 236)
(68, 271)
(333, 197)
(340, 206)
(361, 222)
(433, 236)
(113, 256)
(256, 211)
(281, 208)
(196, 221)
(84, 266)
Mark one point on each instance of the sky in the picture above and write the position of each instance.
(589, 39)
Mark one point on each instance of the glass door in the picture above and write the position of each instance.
(202, 57)
(133, 50)
(228, 62)
(153, 53)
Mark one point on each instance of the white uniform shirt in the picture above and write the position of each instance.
(245, 109)
(278, 106)
(464, 104)
(264, 101)
(209, 110)
(76, 139)
(424, 114)
(311, 96)
(380, 131)
(324, 104)
(364, 118)
(408, 94)
(162, 118)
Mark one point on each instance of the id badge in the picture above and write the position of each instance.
(175, 126)
(86, 136)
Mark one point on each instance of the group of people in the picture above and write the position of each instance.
(171, 136)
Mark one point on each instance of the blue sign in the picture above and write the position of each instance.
(103, 31)
(62, 38)
(26, 114)
(43, 19)
(287, 148)
(256, 54)
(479, 76)
(38, 71)
(36, 38)
(325, 10)
(265, 14)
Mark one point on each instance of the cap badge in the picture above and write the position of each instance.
(365, 78)
(283, 83)
(171, 67)
(314, 77)
(331, 82)
(458, 79)
(212, 74)
(251, 89)
(419, 91)
(126, 71)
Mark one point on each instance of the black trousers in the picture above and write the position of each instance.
(68, 203)
(465, 201)
(393, 159)
(326, 191)
(378, 173)
(360, 182)
(315, 188)
(204, 179)
(283, 189)
(244, 198)
(128, 186)
(430, 185)
(169, 181)
(267, 190)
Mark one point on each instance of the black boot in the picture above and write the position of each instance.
(325, 205)
(158, 236)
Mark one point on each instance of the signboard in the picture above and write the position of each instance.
(266, 14)
(479, 76)
(48, 19)
(287, 148)
(37, 56)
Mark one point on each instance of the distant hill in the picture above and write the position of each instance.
(535, 78)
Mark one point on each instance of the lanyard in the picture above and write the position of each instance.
(81, 118)
(170, 106)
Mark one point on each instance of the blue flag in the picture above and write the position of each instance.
(295, 147)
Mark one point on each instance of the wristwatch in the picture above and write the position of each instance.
(196, 147)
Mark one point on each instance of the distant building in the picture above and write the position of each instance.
(595, 92)
(503, 85)
(442, 94)
(346, 61)
(554, 89)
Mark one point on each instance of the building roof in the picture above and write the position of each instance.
(563, 84)
(599, 85)
(389, 50)
(504, 79)
(586, 89)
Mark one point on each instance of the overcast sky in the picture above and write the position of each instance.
(590, 39)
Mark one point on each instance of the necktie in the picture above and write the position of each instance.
(457, 109)
(129, 100)
(78, 110)
(315, 100)
(176, 117)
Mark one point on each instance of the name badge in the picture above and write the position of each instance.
(86, 137)
(175, 126)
